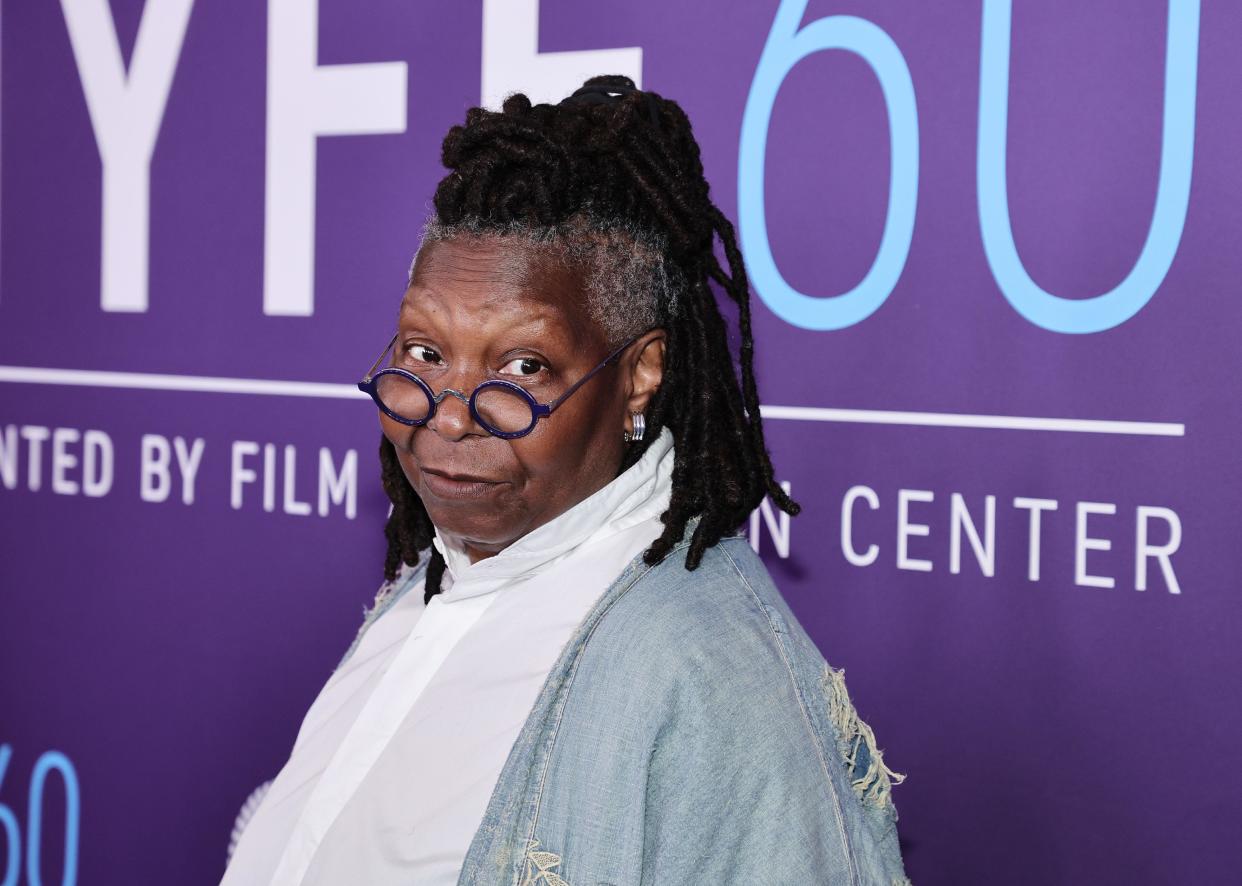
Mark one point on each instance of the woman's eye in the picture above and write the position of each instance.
(423, 354)
(526, 366)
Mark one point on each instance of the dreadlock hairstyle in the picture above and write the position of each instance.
(611, 179)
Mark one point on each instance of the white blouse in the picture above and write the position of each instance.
(397, 758)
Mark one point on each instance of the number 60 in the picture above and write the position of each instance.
(47, 761)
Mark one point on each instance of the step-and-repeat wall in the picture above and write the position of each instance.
(995, 255)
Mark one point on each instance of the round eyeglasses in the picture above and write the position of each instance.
(502, 408)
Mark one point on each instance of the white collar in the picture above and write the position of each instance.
(640, 493)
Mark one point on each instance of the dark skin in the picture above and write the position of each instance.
(479, 308)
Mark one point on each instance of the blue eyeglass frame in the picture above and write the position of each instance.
(369, 385)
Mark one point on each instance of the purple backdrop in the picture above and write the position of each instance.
(156, 656)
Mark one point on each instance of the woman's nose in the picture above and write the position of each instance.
(452, 419)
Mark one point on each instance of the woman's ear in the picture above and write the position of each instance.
(646, 369)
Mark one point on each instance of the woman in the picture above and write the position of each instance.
(576, 672)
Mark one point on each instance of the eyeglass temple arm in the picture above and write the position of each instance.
(379, 359)
(580, 382)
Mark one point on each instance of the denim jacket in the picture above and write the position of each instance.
(690, 732)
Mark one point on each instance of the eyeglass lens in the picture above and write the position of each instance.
(500, 408)
(504, 409)
(403, 397)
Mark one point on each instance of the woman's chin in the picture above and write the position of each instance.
(487, 533)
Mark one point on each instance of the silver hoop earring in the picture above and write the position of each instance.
(640, 427)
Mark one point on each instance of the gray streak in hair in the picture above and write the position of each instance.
(630, 286)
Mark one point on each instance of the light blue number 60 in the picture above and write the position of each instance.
(48, 761)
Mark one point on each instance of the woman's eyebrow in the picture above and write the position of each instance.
(542, 326)
(535, 311)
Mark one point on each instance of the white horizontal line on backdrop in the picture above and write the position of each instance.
(962, 420)
(153, 381)
(220, 385)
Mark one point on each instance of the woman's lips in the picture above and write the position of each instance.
(447, 485)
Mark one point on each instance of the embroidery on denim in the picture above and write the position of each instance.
(245, 815)
(537, 867)
(856, 744)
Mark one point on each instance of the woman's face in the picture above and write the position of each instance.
(481, 308)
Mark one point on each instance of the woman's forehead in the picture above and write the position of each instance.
(471, 307)
(496, 276)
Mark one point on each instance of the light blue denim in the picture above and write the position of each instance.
(689, 733)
